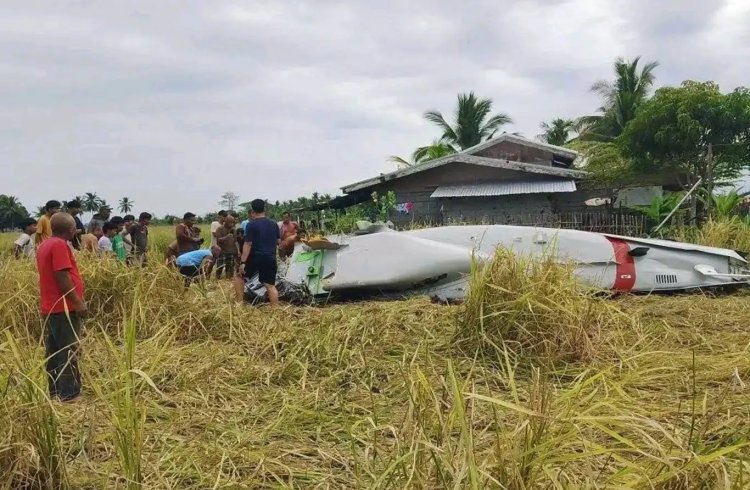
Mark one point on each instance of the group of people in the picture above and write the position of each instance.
(235, 252)
(123, 237)
(241, 253)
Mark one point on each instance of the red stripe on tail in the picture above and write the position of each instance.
(625, 273)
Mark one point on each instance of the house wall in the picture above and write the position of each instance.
(498, 209)
(417, 189)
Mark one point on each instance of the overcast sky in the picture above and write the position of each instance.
(171, 103)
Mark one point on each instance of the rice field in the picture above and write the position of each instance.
(531, 383)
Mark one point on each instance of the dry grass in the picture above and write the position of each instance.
(186, 390)
(730, 233)
(536, 308)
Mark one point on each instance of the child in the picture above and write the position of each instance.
(118, 244)
(109, 230)
(25, 244)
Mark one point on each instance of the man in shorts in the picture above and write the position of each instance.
(259, 249)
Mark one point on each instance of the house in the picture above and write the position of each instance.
(497, 181)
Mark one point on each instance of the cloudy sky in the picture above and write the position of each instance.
(171, 103)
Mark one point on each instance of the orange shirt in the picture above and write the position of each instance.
(43, 230)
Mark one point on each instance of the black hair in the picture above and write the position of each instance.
(26, 222)
(75, 203)
(144, 215)
(109, 226)
(129, 217)
(188, 215)
(222, 213)
(118, 220)
(52, 205)
(258, 205)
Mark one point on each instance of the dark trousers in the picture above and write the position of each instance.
(191, 273)
(225, 265)
(63, 336)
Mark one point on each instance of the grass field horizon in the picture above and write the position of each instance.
(531, 383)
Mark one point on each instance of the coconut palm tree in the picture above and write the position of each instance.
(126, 205)
(11, 211)
(557, 132)
(424, 154)
(91, 202)
(621, 98)
(474, 122)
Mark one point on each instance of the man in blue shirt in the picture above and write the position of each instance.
(193, 264)
(259, 249)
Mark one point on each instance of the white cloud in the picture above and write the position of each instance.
(172, 104)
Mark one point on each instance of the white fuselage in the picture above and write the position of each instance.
(437, 261)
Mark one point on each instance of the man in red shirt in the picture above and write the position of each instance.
(62, 304)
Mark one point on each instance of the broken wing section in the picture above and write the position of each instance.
(395, 262)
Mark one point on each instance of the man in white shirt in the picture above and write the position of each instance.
(25, 243)
(221, 216)
(105, 242)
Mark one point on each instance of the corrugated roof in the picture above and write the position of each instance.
(505, 188)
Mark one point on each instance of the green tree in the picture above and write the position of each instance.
(91, 202)
(474, 122)
(126, 205)
(557, 132)
(692, 131)
(424, 154)
(11, 211)
(620, 100)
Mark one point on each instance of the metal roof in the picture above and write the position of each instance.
(532, 168)
(505, 188)
(469, 156)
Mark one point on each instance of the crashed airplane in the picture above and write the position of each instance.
(436, 262)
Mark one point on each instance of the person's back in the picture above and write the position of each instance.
(263, 233)
(193, 258)
(259, 250)
(118, 246)
(90, 243)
